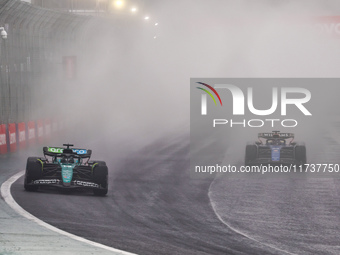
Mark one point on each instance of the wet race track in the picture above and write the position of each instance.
(154, 207)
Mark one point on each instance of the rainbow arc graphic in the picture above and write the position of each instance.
(204, 97)
(209, 93)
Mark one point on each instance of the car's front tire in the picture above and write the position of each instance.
(100, 176)
(300, 154)
(251, 153)
(33, 172)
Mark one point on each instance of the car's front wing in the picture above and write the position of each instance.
(59, 183)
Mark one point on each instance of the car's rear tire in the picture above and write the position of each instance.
(98, 162)
(100, 176)
(300, 154)
(251, 153)
(33, 172)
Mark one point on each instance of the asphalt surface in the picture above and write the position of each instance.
(298, 213)
(153, 207)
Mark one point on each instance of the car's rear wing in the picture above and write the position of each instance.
(58, 151)
(276, 134)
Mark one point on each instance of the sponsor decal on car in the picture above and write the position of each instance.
(61, 150)
(47, 181)
(79, 151)
(86, 184)
(55, 150)
(67, 173)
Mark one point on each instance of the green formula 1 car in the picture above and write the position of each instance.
(66, 168)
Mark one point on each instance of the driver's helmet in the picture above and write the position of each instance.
(270, 141)
(65, 159)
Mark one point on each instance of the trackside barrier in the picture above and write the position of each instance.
(328, 25)
(54, 126)
(21, 138)
(40, 131)
(12, 135)
(3, 139)
(48, 129)
(16, 136)
(31, 132)
(61, 124)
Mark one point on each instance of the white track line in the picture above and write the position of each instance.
(238, 231)
(6, 194)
